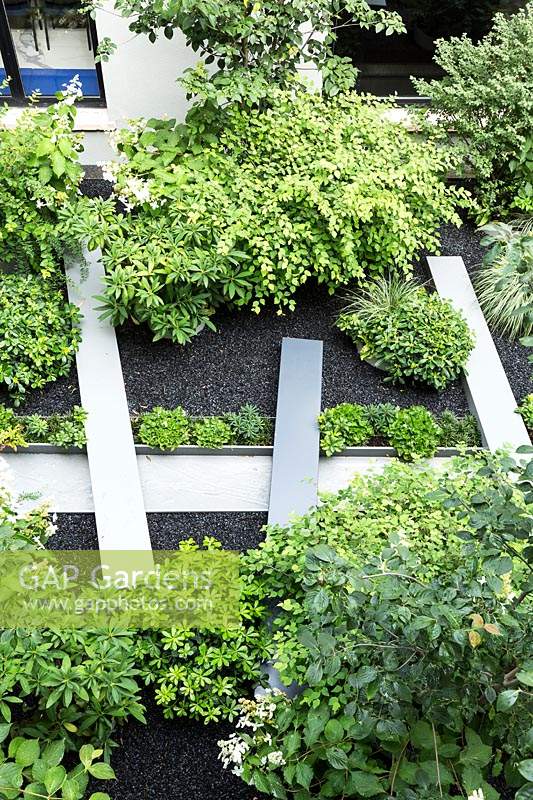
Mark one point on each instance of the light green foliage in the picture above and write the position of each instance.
(380, 416)
(345, 425)
(486, 99)
(211, 432)
(412, 334)
(458, 430)
(169, 429)
(254, 46)
(521, 169)
(304, 189)
(415, 686)
(165, 428)
(31, 769)
(20, 530)
(63, 430)
(525, 409)
(38, 331)
(39, 173)
(414, 433)
(249, 426)
(504, 282)
(70, 684)
(202, 673)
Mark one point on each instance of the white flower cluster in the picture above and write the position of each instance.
(256, 714)
(477, 794)
(135, 191)
(72, 91)
(232, 752)
(274, 759)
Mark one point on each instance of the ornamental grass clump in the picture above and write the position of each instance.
(303, 189)
(408, 332)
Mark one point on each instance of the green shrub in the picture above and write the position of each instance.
(202, 673)
(504, 282)
(39, 334)
(332, 191)
(211, 432)
(380, 417)
(410, 333)
(254, 46)
(33, 769)
(39, 173)
(413, 685)
(249, 426)
(525, 409)
(345, 425)
(458, 430)
(20, 530)
(486, 99)
(63, 430)
(164, 428)
(414, 433)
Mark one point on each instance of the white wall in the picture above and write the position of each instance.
(140, 77)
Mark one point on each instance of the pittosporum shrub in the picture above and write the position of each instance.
(165, 428)
(413, 685)
(486, 100)
(408, 332)
(211, 432)
(307, 188)
(414, 433)
(39, 173)
(345, 425)
(39, 333)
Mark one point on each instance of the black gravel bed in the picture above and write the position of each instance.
(172, 759)
(237, 530)
(74, 532)
(93, 185)
(57, 397)
(238, 364)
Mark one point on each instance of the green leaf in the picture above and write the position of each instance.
(334, 731)
(28, 752)
(71, 790)
(58, 163)
(99, 796)
(291, 743)
(86, 754)
(337, 758)
(261, 782)
(102, 771)
(422, 735)
(523, 676)
(4, 730)
(525, 768)
(53, 753)
(364, 784)
(10, 774)
(507, 699)
(54, 778)
(304, 774)
(525, 792)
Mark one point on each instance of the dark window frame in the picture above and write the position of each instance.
(10, 62)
